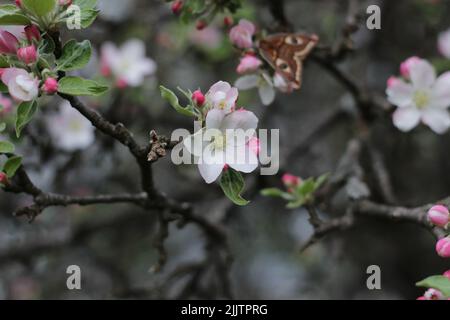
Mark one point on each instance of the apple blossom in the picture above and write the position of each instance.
(443, 247)
(198, 98)
(69, 130)
(224, 142)
(8, 42)
(261, 81)
(248, 63)
(22, 86)
(433, 294)
(241, 35)
(228, 21)
(50, 86)
(447, 274)
(201, 24)
(28, 54)
(444, 43)
(425, 98)
(405, 66)
(32, 33)
(222, 96)
(18, 3)
(5, 105)
(439, 215)
(177, 6)
(3, 178)
(127, 63)
(291, 181)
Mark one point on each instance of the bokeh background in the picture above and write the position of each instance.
(113, 244)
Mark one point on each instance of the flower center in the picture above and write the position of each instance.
(219, 141)
(421, 99)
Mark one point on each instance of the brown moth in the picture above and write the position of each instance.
(285, 52)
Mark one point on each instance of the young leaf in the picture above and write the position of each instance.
(76, 86)
(25, 113)
(6, 147)
(173, 101)
(440, 283)
(232, 184)
(39, 7)
(11, 166)
(277, 193)
(11, 15)
(2, 127)
(75, 55)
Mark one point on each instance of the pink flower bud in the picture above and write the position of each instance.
(443, 247)
(198, 97)
(228, 21)
(405, 67)
(121, 83)
(249, 63)
(201, 24)
(439, 216)
(65, 2)
(3, 178)
(226, 167)
(19, 3)
(28, 54)
(421, 298)
(241, 35)
(290, 180)
(392, 81)
(32, 33)
(50, 86)
(433, 294)
(8, 43)
(177, 6)
(447, 274)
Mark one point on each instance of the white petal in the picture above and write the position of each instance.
(437, 119)
(133, 48)
(242, 159)
(211, 164)
(240, 119)
(422, 74)
(215, 118)
(267, 94)
(247, 82)
(220, 86)
(400, 93)
(405, 119)
(441, 91)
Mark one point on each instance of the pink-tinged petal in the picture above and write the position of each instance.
(232, 96)
(400, 93)
(249, 63)
(241, 158)
(220, 86)
(211, 164)
(405, 66)
(244, 119)
(444, 43)
(422, 74)
(215, 118)
(247, 82)
(437, 119)
(11, 73)
(438, 215)
(441, 91)
(447, 274)
(443, 247)
(248, 26)
(405, 119)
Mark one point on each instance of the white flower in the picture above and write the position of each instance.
(225, 141)
(444, 43)
(22, 85)
(128, 63)
(69, 130)
(261, 81)
(222, 96)
(425, 99)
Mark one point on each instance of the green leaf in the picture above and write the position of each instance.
(277, 193)
(12, 165)
(296, 203)
(25, 113)
(11, 15)
(88, 11)
(232, 184)
(2, 127)
(173, 101)
(440, 283)
(76, 86)
(75, 55)
(39, 7)
(320, 181)
(3, 62)
(306, 187)
(6, 147)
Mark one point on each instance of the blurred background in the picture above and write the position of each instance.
(113, 244)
